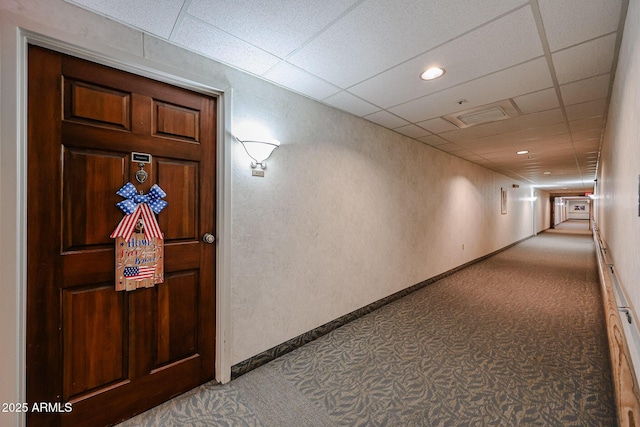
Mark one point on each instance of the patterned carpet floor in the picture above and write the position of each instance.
(515, 340)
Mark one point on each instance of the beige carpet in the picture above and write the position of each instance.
(515, 340)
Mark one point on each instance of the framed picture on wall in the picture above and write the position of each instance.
(503, 201)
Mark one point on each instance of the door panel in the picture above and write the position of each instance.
(177, 317)
(179, 180)
(114, 354)
(88, 197)
(174, 121)
(92, 104)
(92, 350)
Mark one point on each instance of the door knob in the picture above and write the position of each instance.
(208, 238)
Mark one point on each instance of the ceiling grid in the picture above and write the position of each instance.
(553, 60)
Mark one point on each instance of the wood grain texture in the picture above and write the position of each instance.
(96, 105)
(95, 357)
(624, 378)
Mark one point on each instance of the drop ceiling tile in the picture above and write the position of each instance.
(521, 137)
(412, 131)
(568, 22)
(530, 121)
(378, 34)
(555, 153)
(157, 17)
(508, 41)
(551, 146)
(510, 146)
(585, 90)
(587, 144)
(354, 105)
(585, 60)
(590, 157)
(277, 26)
(587, 134)
(592, 123)
(519, 80)
(537, 101)
(200, 37)
(483, 162)
(463, 154)
(300, 81)
(433, 140)
(494, 149)
(471, 157)
(565, 138)
(437, 125)
(449, 148)
(506, 172)
(587, 159)
(502, 156)
(386, 119)
(588, 109)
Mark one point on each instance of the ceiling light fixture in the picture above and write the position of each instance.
(432, 73)
(523, 152)
(547, 173)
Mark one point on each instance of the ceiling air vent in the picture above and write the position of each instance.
(487, 113)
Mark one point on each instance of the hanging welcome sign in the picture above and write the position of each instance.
(139, 241)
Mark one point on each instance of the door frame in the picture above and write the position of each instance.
(16, 34)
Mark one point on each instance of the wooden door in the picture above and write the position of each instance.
(107, 355)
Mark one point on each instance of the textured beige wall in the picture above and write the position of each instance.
(618, 218)
(347, 213)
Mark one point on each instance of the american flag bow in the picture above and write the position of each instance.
(137, 206)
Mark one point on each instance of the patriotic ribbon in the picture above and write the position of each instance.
(136, 206)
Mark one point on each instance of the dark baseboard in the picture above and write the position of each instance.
(294, 343)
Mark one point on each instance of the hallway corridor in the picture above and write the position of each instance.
(515, 340)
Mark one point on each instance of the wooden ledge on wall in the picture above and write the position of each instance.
(624, 377)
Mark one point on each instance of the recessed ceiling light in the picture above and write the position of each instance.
(523, 152)
(432, 73)
(547, 173)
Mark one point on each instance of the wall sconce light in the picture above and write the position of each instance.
(259, 151)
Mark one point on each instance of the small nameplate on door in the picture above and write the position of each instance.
(141, 157)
